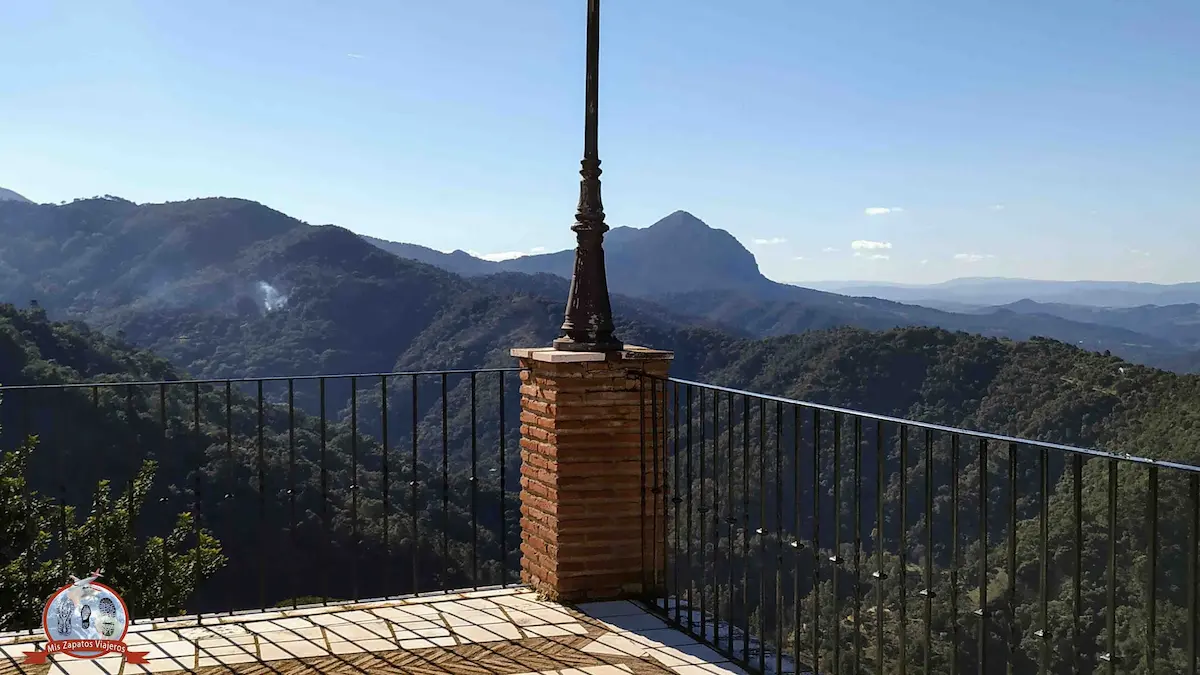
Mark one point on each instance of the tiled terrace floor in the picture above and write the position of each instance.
(498, 632)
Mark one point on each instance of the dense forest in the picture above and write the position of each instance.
(877, 503)
(279, 504)
(222, 492)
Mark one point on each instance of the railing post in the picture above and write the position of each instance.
(587, 511)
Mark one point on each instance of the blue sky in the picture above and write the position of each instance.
(1017, 138)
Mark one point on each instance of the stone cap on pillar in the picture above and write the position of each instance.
(629, 353)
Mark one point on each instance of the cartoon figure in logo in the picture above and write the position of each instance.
(85, 614)
(107, 623)
(63, 615)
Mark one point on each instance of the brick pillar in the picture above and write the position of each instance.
(588, 515)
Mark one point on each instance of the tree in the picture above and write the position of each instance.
(41, 543)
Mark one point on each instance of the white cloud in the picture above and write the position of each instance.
(865, 245)
(799, 257)
(1140, 252)
(497, 257)
(996, 207)
(829, 249)
(507, 255)
(770, 242)
(972, 257)
(924, 262)
(355, 56)
(877, 211)
(879, 256)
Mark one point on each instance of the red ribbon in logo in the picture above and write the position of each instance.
(68, 646)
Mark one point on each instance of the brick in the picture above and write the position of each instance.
(587, 460)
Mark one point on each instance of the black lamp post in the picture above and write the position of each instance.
(588, 325)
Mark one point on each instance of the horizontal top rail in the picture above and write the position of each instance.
(233, 380)
(1089, 452)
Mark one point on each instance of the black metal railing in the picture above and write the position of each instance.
(266, 492)
(807, 538)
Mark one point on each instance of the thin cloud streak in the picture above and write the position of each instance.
(867, 245)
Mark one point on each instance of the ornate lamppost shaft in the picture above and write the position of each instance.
(588, 324)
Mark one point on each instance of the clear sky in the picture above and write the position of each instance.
(1017, 138)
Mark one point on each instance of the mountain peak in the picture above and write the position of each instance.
(10, 196)
(681, 220)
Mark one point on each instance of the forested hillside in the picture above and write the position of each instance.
(1039, 389)
(276, 503)
(228, 286)
(229, 289)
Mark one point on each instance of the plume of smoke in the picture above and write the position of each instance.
(272, 299)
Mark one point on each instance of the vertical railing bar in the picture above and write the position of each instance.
(762, 535)
(816, 542)
(445, 472)
(779, 543)
(1111, 656)
(474, 479)
(162, 417)
(836, 558)
(983, 558)
(642, 477)
(1044, 560)
(856, 581)
(676, 500)
(414, 491)
(356, 551)
(1077, 567)
(233, 471)
(880, 541)
(1193, 571)
(198, 450)
(902, 559)
(263, 539)
(660, 573)
(134, 422)
(1152, 569)
(702, 516)
(928, 592)
(291, 403)
(954, 553)
(503, 491)
(716, 517)
(688, 567)
(797, 424)
(745, 529)
(730, 520)
(326, 541)
(1012, 638)
(385, 449)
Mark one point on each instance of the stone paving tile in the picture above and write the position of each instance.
(493, 632)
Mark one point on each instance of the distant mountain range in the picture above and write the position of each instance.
(681, 263)
(958, 294)
(678, 254)
(200, 281)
